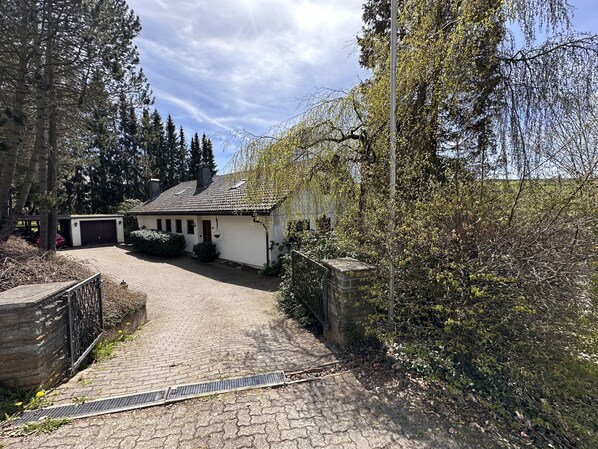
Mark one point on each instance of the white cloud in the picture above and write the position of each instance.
(244, 63)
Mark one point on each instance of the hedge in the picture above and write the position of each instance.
(158, 243)
(205, 251)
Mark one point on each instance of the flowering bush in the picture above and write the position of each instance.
(158, 243)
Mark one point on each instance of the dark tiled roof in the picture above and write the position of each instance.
(219, 197)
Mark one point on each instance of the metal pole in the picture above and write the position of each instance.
(393, 152)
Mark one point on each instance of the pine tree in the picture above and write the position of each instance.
(156, 147)
(182, 157)
(207, 154)
(171, 150)
(195, 157)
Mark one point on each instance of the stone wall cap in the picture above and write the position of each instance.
(28, 295)
(345, 264)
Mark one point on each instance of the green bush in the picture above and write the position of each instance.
(317, 246)
(205, 251)
(158, 243)
(130, 223)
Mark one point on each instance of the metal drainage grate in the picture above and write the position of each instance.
(149, 399)
(258, 381)
(92, 408)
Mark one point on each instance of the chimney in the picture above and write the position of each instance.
(204, 177)
(154, 188)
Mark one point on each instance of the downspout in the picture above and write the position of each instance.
(257, 220)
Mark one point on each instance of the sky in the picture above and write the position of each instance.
(217, 67)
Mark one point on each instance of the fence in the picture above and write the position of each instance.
(85, 322)
(309, 285)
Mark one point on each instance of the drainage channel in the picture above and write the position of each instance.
(152, 398)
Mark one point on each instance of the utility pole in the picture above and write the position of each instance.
(393, 154)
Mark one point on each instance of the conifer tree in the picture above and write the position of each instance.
(171, 154)
(156, 147)
(195, 157)
(207, 154)
(182, 157)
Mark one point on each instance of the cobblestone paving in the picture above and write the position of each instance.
(214, 321)
(335, 412)
(205, 322)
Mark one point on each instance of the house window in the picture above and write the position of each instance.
(324, 224)
(298, 226)
(190, 227)
(168, 225)
(178, 225)
(159, 224)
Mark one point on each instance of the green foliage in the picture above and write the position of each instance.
(130, 223)
(105, 349)
(158, 243)
(317, 246)
(482, 306)
(274, 269)
(493, 278)
(47, 425)
(205, 251)
(15, 400)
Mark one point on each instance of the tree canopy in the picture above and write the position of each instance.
(76, 132)
(495, 211)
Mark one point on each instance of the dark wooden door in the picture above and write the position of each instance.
(98, 232)
(207, 230)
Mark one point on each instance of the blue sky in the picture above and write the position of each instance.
(221, 66)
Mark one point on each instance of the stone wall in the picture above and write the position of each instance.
(34, 335)
(348, 308)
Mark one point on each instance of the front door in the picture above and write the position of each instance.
(207, 230)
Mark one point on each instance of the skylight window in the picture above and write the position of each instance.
(239, 184)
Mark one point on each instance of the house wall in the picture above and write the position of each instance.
(304, 207)
(151, 222)
(241, 240)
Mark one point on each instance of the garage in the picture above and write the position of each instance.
(97, 229)
(98, 232)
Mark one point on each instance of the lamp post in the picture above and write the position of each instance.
(393, 153)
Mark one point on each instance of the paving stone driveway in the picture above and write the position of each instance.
(213, 321)
(205, 322)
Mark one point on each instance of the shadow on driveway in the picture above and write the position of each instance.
(244, 277)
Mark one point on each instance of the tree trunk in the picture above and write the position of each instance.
(16, 126)
(43, 94)
(52, 161)
(10, 223)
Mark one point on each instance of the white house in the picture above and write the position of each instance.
(217, 209)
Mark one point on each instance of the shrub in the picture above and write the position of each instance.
(130, 222)
(205, 251)
(158, 243)
(317, 246)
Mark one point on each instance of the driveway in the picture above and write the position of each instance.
(213, 321)
(205, 322)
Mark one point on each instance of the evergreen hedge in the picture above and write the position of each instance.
(205, 251)
(158, 243)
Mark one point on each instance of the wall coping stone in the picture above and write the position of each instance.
(30, 295)
(347, 264)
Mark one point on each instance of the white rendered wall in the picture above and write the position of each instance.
(75, 232)
(151, 222)
(241, 240)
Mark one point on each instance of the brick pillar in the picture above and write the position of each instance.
(348, 308)
(34, 348)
